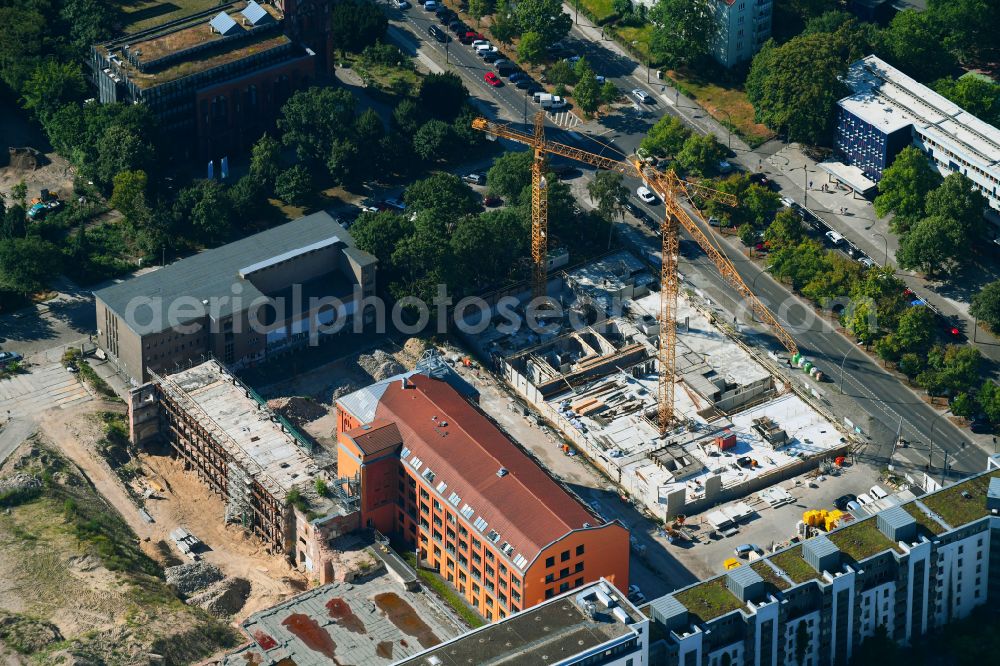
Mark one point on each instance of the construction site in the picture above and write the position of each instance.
(275, 483)
(593, 374)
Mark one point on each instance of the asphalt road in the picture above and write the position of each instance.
(893, 407)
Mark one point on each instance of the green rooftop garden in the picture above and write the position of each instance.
(923, 520)
(860, 540)
(709, 599)
(956, 508)
(790, 561)
(769, 575)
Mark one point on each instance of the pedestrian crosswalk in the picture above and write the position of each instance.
(566, 119)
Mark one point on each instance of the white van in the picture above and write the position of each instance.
(553, 104)
(878, 493)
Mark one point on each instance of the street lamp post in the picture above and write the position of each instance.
(805, 186)
(729, 129)
(842, 363)
(885, 262)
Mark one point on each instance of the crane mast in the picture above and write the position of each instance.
(674, 191)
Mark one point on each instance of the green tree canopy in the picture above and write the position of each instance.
(52, 85)
(609, 193)
(294, 185)
(531, 48)
(986, 305)
(27, 264)
(701, 154)
(120, 149)
(936, 242)
(904, 188)
(433, 142)
(510, 175)
(666, 137)
(913, 42)
(129, 196)
(786, 229)
(313, 118)
(380, 233)
(951, 369)
(794, 87)
(683, 30)
(442, 95)
(914, 334)
(355, 24)
(486, 248)
(978, 96)
(443, 193)
(346, 164)
(545, 18)
(265, 161)
(587, 91)
(958, 198)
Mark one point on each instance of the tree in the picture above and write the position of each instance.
(609, 193)
(958, 198)
(683, 30)
(407, 116)
(27, 264)
(935, 242)
(478, 9)
(701, 154)
(800, 263)
(246, 195)
(914, 334)
(52, 85)
(561, 73)
(90, 21)
(786, 229)
(951, 369)
(531, 48)
(969, 26)
(544, 18)
(587, 92)
(380, 233)
(442, 95)
(120, 149)
(486, 247)
(345, 163)
(832, 280)
(355, 24)
(989, 400)
(794, 87)
(978, 96)
(212, 212)
(294, 185)
(510, 175)
(443, 193)
(129, 197)
(609, 93)
(312, 119)
(265, 161)
(758, 205)
(433, 141)
(986, 305)
(913, 42)
(504, 27)
(904, 187)
(666, 137)
(963, 405)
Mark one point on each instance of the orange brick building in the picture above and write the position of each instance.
(437, 473)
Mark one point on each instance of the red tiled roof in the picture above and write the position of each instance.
(526, 506)
(376, 437)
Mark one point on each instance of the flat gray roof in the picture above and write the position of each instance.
(214, 273)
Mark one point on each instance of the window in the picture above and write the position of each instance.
(489, 556)
(578, 568)
(549, 578)
(564, 572)
(579, 549)
(550, 562)
(564, 557)
(578, 582)
(563, 587)
(549, 593)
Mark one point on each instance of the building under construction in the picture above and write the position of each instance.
(268, 474)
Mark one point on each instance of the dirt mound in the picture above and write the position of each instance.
(413, 350)
(224, 598)
(192, 577)
(19, 483)
(296, 409)
(25, 634)
(380, 365)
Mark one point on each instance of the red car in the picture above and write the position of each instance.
(470, 37)
(492, 79)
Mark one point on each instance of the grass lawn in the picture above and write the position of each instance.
(769, 575)
(446, 592)
(861, 540)
(600, 9)
(957, 509)
(144, 14)
(727, 103)
(641, 36)
(790, 561)
(709, 600)
(393, 80)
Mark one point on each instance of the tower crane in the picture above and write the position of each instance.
(674, 191)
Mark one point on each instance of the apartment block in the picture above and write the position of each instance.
(438, 474)
(216, 79)
(910, 568)
(887, 111)
(593, 626)
(742, 28)
(295, 284)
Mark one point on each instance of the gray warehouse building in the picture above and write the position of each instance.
(289, 286)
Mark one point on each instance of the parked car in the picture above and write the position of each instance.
(396, 203)
(503, 63)
(430, 6)
(492, 201)
(633, 210)
(446, 16)
(516, 76)
(788, 202)
(635, 591)
(458, 28)
(490, 57)
(854, 506)
(8, 357)
(864, 499)
(866, 262)
(492, 79)
(878, 493)
(400, 4)
(834, 237)
(437, 33)
(725, 167)
(478, 42)
(527, 83)
(645, 194)
(475, 178)
(842, 501)
(641, 95)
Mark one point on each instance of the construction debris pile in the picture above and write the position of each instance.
(297, 409)
(380, 365)
(204, 585)
(19, 483)
(192, 577)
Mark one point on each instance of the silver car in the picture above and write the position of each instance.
(642, 96)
